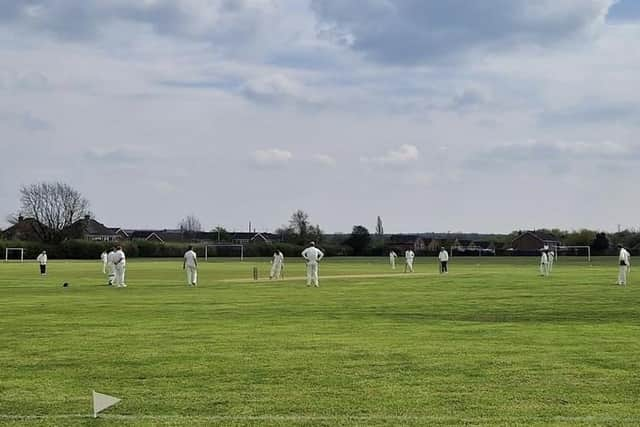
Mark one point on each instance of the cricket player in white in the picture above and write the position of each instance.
(443, 257)
(312, 255)
(544, 263)
(120, 263)
(111, 268)
(409, 256)
(624, 265)
(190, 265)
(276, 265)
(42, 260)
(392, 259)
(551, 256)
(104, 258)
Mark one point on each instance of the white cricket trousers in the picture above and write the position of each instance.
(410, 265)
(392, 261)
(312, 274)
(622, 275)
(111, 271)
(550, 268)
(544, 269)
(120, 270)
(276, 270)
(192, 275)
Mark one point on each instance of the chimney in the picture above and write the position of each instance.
(87, 217)
(20, 218)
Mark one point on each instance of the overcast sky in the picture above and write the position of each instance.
(437, 115)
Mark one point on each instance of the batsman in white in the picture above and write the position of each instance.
(276, 265)
(104, 258)
(312, 256)
(551, 256)
(624, 265)
(190, 265)
(544, 263)
(120, 263)
(392, 259)
(42, 260)
(443, 257)
(409, 255)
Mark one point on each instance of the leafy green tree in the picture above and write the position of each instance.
(600, 244)
(359, 239)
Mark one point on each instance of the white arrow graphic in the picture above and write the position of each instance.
(102, 402)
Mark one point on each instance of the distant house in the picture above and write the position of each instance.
(532, 241)
(407, 241)
(23, 229)
(251, 237)
(89, 229)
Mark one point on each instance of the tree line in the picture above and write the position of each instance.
(54, 207)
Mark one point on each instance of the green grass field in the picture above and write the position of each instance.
(492, 343)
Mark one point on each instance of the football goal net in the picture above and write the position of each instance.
(14, 254)
(579, 251)
(228, 251)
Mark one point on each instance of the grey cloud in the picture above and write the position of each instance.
(24, 120)
(116, 156)
(217, 20)
(418, 31)
(558, 157)
(589, 112)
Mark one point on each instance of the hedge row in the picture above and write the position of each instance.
(85, 249)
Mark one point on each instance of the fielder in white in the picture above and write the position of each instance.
(409, 255)
(392, 259)
(624, 265)
(551, 256)
(312, 256)
(276, 265)
(104, 258)
(120, 263)
(544, 263)
(111, 268)
(42, 260)
(190, 265)
(443, 257)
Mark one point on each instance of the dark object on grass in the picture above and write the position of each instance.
(65, 285)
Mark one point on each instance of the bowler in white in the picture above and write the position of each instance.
(276, 265)
(190, 265)
(409, 255)
(312, 256)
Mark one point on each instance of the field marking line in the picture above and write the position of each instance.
(339, 276)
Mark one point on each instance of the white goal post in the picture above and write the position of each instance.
(566, 249)
(7, 250)
(206, 250)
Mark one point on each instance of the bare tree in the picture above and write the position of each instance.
(300, 224)
(54, 207)
(190, 224)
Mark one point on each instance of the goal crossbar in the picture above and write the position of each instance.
(570, 247)
(206, 250)
(7, 250)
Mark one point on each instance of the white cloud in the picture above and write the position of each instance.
(277, 89)
(403, 155)
(271, 157)
(325, 160)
